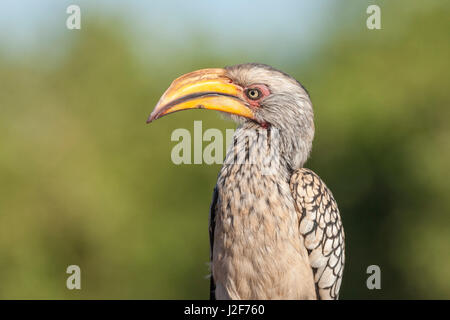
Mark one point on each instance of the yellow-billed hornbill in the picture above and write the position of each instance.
(275, 229)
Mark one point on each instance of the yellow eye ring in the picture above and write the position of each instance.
(253, 94)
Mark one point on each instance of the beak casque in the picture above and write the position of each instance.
(202, 89)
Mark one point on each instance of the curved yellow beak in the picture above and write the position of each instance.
(202, 89)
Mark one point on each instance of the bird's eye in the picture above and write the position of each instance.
(253, 94)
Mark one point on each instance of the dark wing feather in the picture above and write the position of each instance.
(212, 224)
(321, 227)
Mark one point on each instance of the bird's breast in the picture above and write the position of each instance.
(258, 252)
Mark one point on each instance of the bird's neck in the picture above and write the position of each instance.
(259, 149)
(256, 224)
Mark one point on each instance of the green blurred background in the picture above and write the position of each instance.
(84, 181)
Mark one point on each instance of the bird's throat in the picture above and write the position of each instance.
(259, 148)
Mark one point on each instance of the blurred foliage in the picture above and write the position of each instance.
(84, 181)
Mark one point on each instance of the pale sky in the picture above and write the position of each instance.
(250, 25)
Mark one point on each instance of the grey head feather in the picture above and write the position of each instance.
(288, 109)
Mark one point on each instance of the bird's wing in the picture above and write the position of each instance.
(321, 227)
(212, 224)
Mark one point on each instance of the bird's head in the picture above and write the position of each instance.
(253, 94)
